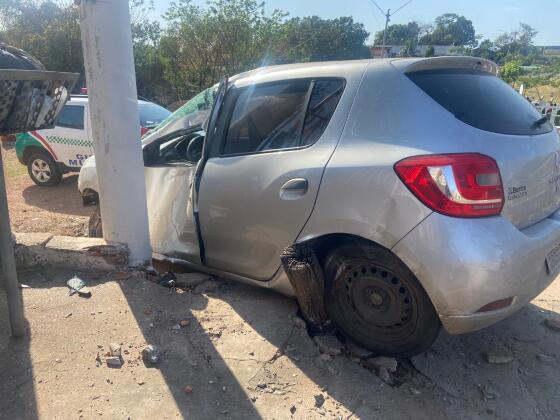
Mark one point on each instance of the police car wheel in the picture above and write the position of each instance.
(43, 170)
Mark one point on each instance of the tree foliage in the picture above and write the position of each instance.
(451, 29)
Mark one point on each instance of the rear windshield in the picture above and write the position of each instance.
(481, 100)
(151, 114)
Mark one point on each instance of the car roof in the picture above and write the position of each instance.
(350, 68)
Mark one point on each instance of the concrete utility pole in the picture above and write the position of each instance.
(15, 304)
(113, 104)
(387, 20)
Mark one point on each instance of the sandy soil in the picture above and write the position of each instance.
(57, 210)
(240, 356)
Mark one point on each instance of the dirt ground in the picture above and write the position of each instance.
(241, 356)
(57, 210)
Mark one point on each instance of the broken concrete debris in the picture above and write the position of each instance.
(113, 361)
(328, 344)
(388, 363)
(499, 357)
(553, 323)
(488, 393)
(384, 375)
(319, 400)
(545, 358)
(77, 285)
(151, 354)
(115, 350)
(298, 322)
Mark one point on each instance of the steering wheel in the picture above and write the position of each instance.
(194, 149)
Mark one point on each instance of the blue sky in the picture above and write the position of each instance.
(489, 17)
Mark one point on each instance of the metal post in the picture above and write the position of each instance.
(387, 19)
(13, 293)
(111, 80)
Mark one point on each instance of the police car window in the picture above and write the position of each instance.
(71, 116)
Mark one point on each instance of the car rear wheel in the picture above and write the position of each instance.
(95, 227)
(43, 170)
(375, 300)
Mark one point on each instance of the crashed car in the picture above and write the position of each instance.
(427, 188)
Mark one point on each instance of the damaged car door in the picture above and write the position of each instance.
(262, 172)
(170, 165)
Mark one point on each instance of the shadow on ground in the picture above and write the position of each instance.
(63, 198)
(242, 357)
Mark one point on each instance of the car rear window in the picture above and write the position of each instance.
(481, 100)
(152, 114)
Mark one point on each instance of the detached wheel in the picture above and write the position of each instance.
(43, 170)
(95, 227)
(374, 299)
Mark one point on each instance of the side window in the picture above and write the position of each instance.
(323, 102)
(267, 117)
(71, 116)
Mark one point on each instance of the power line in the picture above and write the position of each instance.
(387, 20)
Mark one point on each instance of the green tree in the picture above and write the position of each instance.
(399, 34)
(315, 39)
(510, 72)
(451, 29)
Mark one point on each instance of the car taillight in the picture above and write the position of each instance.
(460, 185)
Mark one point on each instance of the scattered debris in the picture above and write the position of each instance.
(151, 354)
(147, 311)
(545, 358)
(553, 323)
(298, 322)
(488, 393)
(176, 327)
(115, 350)
(168, 280)
(122, 275)
(191, 279)
(384, 375)
(319, 400)
(356, 350)
(328, 344)
(414, 391)
(188, 389)
(68, 315)
(77, 285)
(499, 357)
(57, 360)
(184, 322)
(293, 409)
(208, 286)
(325, 357)
(140, 382)
(389, 363)
(113, 361)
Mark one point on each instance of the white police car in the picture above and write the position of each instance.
(48, 154)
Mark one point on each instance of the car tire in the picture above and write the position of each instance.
(95, 227)
(374, 299)
(43, 170)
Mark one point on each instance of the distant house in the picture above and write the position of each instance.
(420, 50)
(550, 49)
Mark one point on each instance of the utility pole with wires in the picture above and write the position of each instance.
(388, 16)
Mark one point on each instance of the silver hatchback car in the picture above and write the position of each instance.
(428, 189)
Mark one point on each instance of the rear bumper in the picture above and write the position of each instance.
(465, 264)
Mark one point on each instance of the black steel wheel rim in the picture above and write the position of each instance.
(377, 299)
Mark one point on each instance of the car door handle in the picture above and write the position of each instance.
(294, 187)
